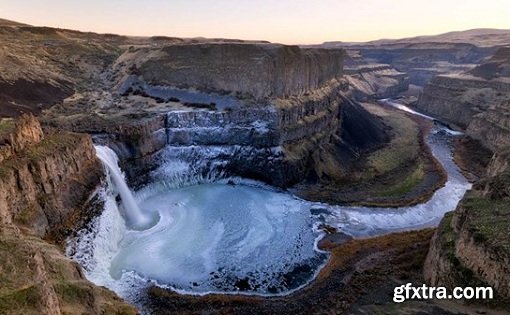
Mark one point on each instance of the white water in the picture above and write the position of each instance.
(215, 237)
(135, 217)
(370, 221)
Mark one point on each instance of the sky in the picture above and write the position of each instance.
(284, 21)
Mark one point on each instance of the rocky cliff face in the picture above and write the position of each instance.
(492, 127)
(253, 110)
(476, 101)
(471, 245)
(375, 81)
(458, 98)
(38, 279)
(420, 59)
(272, 141)
(247, 70)
(46, 180)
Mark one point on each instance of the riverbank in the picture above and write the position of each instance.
(359, 279)
(400, 173)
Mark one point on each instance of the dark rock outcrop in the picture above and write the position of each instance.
(375, 81)
(246, 70)
(477, 101)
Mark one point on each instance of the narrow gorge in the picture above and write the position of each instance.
(161, 175)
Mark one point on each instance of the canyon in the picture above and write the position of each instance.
(267, 128)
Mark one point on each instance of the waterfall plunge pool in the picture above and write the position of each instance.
(217, 237)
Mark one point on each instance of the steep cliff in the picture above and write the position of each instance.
(254, 110)
(375, 81)
(38, 279)
(46, 180)
(247, 70)
(471, 245)
(271, 141)
(458, 98)
(424, 57)
(476, 100)
(420, 59)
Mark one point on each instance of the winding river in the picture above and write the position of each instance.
(233, 235)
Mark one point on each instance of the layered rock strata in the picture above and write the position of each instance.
(272, 142)
(471, 245)
(420, 60)
(253, 110)
(246, 70)
(476, 100)
(375, 81)
(46, 182)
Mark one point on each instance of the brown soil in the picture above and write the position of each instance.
(23, 96)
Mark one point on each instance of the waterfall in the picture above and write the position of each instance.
(134, 216)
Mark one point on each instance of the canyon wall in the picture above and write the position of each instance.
(44, 179)
(477, 101)
(456, 99)
(272, 142)
(421, 59)
(46, 182)
(470, 247)
(252, 110)
(246, 70)
(375, 81)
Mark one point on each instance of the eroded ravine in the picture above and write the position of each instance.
(237, 236)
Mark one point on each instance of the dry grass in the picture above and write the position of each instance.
(404, 147)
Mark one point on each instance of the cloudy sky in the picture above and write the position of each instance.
(285, 21)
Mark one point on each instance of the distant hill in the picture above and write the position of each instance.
(4, 22)
(482, 37)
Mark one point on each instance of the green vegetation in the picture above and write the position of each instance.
(71, 292)
(404, 147)
(23, 299)
(488, 219)
(407, 185)
(447, 238)
(6, 127)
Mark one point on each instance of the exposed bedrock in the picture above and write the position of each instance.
(246, 70)
(458, 98)
(375, 81)
(44, 179)
(492, 127)
(477, 101)
(420, 60)
(471, 246)
(47, 180)
(252, 110)
(272, 142)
